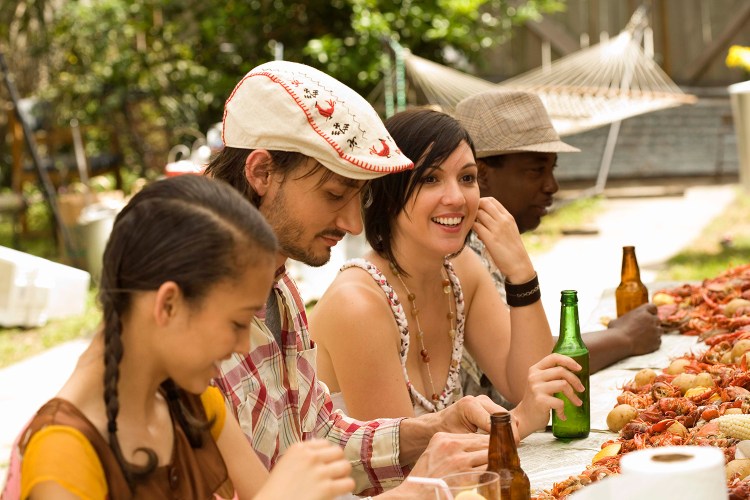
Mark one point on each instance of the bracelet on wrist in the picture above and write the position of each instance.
(523, 294)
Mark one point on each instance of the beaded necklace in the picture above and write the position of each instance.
(447, 289)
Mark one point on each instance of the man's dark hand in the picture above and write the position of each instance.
(641, 327)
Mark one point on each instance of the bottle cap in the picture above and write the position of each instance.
(500, 417)
(569, 297)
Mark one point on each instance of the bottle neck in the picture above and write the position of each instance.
(502, 452)
(630, 271)
(570, 328)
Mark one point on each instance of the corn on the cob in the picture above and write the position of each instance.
(736, 426)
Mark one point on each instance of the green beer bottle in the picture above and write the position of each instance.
(577, 421)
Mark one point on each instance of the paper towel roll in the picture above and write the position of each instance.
(684, 472)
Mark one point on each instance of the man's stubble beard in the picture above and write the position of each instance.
(290, 232)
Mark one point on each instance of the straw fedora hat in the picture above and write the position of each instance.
(507, 121)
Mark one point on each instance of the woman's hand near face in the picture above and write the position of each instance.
(497, 229)
(555, 373)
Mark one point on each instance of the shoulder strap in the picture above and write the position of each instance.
(60, 412)
(390, 293)
(379, 278)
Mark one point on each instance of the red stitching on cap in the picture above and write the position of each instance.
(311, 120)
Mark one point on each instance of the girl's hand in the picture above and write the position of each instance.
(312, 470)
(554, 373)
(497, 229)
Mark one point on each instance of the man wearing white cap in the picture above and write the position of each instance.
(301, 145)
(516, 149)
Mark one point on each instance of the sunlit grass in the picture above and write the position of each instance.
(577, 213)
(19, 343)
(723, 244)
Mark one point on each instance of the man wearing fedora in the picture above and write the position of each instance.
(516, 149)
(301, 146)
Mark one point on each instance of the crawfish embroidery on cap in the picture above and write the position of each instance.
(341, 128)
(285, 106)
(326, 112)
(385, 151)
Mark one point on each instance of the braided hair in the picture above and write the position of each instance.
(191, 230)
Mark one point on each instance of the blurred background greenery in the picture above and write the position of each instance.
(157, 71)
(155, 68)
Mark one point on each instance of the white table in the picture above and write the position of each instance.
(547, 460)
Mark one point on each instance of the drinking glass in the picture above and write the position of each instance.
(480, 485)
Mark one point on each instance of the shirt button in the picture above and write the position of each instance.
(174, 478)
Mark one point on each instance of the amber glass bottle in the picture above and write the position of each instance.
(577, 423)
(631, 292)
(503, 459)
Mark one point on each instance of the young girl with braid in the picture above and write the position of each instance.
(188, 265)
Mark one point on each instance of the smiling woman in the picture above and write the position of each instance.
(419, 289)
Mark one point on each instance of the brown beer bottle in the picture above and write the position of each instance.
(502, 457)
(631, 292)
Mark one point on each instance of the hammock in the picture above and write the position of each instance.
(596, 86)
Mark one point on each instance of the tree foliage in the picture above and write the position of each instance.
(161, 64)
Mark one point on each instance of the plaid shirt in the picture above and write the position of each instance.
(278, 399)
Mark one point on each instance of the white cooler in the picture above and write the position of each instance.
(34, 290)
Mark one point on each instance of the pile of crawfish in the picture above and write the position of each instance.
(716, 306)
(669, 410)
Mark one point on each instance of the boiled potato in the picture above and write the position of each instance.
(644, 377)
(703, 379)
(726, 358)
(740, 347)
(739, 468)
(684, 382)
(661, 299)
(731, 307)
(677, 366)
(678, 430)
(619, 416)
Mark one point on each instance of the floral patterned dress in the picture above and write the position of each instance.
(452, 390)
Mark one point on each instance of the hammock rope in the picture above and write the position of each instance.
(593, 87)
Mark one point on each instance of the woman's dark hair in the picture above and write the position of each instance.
(191, 230)
(229, 166)
(428, 138)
